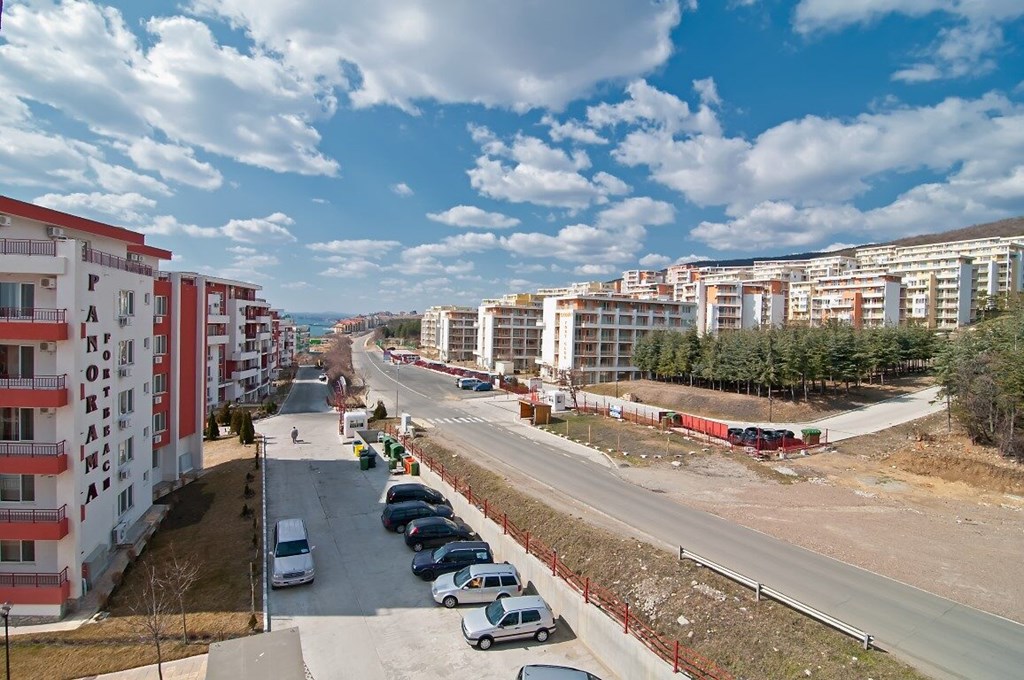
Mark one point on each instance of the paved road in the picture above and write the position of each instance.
(938, 636)
(366, 616)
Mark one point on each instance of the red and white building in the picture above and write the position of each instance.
(103, 391)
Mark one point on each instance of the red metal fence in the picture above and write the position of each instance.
(681, 658)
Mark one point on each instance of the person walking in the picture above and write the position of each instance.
(295, 435)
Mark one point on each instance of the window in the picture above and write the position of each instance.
(159, 422)
(491, 582)
(160, 344)
(508, 581)
(126, 353)
(126, 303)
(531, 616)
(126, 500)
(16, 424)
(510, 620)
(17, 299)
(126, 451)
(161, 306)
(156, 458)
(126, 402)
(17, 488)
(145, 343)
(159, 383)
(17, 551)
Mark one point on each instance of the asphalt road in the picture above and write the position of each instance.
(366, 616)
(940, 637)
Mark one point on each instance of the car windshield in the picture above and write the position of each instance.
(495, 612)
(291, 548)
(439, 553)
(461, 576)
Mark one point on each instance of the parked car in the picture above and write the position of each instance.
(468, 383)
(483, 387)
(293, 555)
(431, 532)
(734, 435)
(545, 672)
(414, 492)
(477, 584)
(510, 618)
(428, 564)
(397, 516)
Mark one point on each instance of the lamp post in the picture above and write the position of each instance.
(5, 611)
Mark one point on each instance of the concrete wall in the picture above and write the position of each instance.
(622, 653)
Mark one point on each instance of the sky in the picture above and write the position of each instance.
(354, 156)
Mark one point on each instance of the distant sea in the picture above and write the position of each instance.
(318, 324)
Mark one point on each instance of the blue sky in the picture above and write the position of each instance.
(357, 156)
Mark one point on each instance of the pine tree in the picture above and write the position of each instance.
(237, 418)
(247, 432)
(212, 430)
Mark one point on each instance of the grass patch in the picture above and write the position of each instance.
(204, 521)
(750, 639)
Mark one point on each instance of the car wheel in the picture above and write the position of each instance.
(542, 635)
(416, 547)
(502, 595)
(485, 643)
(428, 576)
(400, 529)
(449, 601)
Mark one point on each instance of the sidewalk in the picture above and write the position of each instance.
(192, 668)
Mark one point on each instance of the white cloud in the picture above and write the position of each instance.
(650, 107)
(401, 189)
(260, 229)
(579, 243)
(594, 270)
(119, 179)
(242, 250)
(167, 225)
(471, 216)
(352, 269)
(539, 174)
(654, 261)
(174, 163)
(84, 60)
(452, 246)
(638, 210)
(481, 52)
(356, 248)
(961, 51)
(571, 130)
(130, 207)
(321, 201)
(297, 285)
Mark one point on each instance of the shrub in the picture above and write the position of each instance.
(380, 412)
(237, 418)
(212, 429)
(224, 415)
(270, 406)
(247, 432)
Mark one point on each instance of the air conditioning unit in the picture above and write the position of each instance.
(158, 319)
(46, 411)
(158, 399)
(124, 422)
(5, 221)
(124, 371)
(158, 359)
(47, 347)
(120, 534)
(55, 232)
(145, 431)
(134, 257)
(123, 321)
(123, 474)
(48, 283)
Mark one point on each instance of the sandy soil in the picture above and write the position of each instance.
(862, 504)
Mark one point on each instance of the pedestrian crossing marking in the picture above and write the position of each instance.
(455, 419)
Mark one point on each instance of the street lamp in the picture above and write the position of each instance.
(5, 611)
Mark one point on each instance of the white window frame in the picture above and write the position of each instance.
(126, 402)
(126, 303)
(21, 551)
(17, 484)
(126, 353)
(160, 306)
(126, 451)
(159, 383)
(159, 422)
(160, 344)
(126, 500)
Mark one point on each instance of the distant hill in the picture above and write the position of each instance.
(1013, 226)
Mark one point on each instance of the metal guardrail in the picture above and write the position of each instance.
(759, 589)
(31, 449)
(34, 580)
(41, 314)
(33, 516)
(39, 382)
(20, 246)
(108, 260)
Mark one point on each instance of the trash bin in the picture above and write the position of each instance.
(364, 462)
(392, 465)
(812, 436)
(372, 459)
(414, 468)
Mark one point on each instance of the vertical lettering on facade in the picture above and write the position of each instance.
(96, 451)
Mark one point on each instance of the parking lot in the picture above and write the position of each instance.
(366, 615)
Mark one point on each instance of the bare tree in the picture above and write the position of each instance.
(573, 380)
(180, 574)
(152, 603)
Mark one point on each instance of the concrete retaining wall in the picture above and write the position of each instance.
(622, 653)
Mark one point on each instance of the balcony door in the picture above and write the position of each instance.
(17, 300)
(17, 361)
(16, 424)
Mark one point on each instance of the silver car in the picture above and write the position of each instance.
(293, 555)
(475, 584)
(510, 618)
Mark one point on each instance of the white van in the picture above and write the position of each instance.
(293, 555)
(477, 583)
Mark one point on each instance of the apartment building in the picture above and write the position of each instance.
(286, 341)
(732, 298)
(595, 333)
(642, 282)
(508, 332)
(104, 365)
(78, 321)
(863, 299)
(450, 330)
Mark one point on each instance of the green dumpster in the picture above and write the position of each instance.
(392, 465)
(398, 452)
(372, 459)
(364, 462)
(812, 436)
(414, 468)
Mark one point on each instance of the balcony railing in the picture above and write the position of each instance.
(115, 262)
(17, 246)
(41, 314)
(34, 580)
(39, 382)
(31, 449)
(11, 515)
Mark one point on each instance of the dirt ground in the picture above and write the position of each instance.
(742, 407)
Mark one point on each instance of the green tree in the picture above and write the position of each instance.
(380, 412)
(224, 414)
(237, 420)
(247, 432)
(212, 430)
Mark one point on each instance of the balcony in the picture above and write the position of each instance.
(115, 262)
(35, 323)
(37, 392)
(17, 524)
(32, 458)
(35, 588)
